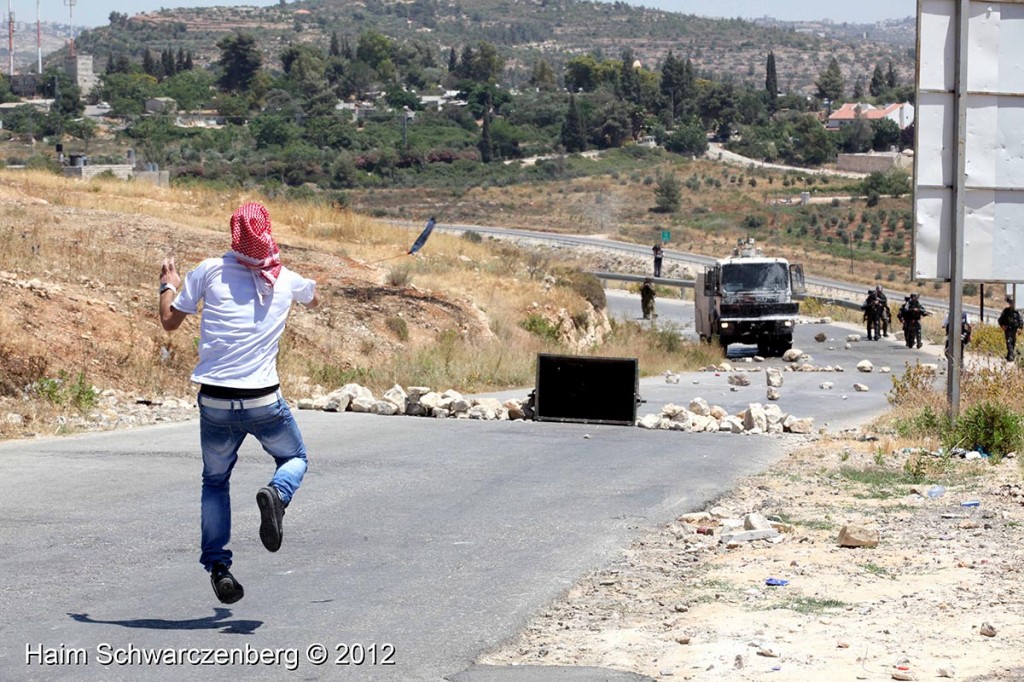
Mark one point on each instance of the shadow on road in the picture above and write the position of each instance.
(214, 622)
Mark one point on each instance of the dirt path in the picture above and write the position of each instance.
(939, 595)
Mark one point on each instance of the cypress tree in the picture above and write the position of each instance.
(574, 138)
(771, 81)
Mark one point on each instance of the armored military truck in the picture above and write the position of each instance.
(749, 298)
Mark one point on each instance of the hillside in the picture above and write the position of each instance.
(79, 273)
(524, 32)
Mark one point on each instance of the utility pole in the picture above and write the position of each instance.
(10, 39)
(39, 42)
(71, 20)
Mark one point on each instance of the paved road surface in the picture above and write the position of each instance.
(439, 538)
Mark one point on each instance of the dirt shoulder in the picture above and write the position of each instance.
(679, 604)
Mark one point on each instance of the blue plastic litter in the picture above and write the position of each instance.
(776, 582)
(970, 503)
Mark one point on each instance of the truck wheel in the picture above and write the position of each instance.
(783, 344)
(765, 348)
(724, 345)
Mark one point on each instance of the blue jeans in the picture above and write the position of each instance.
(221, 432)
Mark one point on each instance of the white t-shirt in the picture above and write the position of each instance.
(238, 335)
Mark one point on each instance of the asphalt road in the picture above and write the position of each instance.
(432, 541)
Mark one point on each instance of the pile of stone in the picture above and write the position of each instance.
(701, 417)
(418, 401)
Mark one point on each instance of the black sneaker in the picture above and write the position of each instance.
(271, 517)
(227, 589)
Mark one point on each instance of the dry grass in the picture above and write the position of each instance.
(95, 249)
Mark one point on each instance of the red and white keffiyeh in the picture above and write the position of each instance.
(254, 246)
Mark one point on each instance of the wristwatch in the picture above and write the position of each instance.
(167, 287)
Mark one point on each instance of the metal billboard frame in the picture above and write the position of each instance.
(969, 152)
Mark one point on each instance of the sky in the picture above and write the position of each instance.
(96, 12)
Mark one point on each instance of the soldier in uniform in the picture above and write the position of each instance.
(1010, 322)
(647, 295)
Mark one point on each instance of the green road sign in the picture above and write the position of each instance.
(665, 236)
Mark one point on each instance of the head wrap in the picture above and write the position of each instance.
(254, 246)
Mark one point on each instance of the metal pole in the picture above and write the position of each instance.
(956, 251)
(981, 302)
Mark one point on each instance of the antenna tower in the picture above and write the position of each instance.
(10, 39)
(71, 19)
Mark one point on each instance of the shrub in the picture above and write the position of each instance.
(472, 236)
(538, 325)
(587, 286)
(399, 276)
(63, 390)
(988, 427)
(398, 327)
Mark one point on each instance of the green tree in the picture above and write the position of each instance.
(485, 145)
(581, 74)
(892, 79)
(668, 193)
(189, 88)
(127, 92)
(877, 86)
(830, 83)
(574, 136)
(149, 64)
(812, 145)
(673, 84)
(689, 139)
(886, 134)
(771, 81)
(335, 48)
(629, 78)
(858, 89)
(239, 62)
(272, 130)
(543, 77)
(373, 48)
(481, 64)
(82, 128)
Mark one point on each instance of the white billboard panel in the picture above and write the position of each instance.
(993, 136)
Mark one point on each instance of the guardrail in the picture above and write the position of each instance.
(689, 284)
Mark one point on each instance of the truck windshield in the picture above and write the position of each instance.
(738, 277)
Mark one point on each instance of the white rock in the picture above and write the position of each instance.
(731, 424)
(718, 412)
(884, 370)
(861, 388)
(362, 404)
(755, 521)
(773, 393)
(853, 338)
(774, 377)
(858, 536)
(847, 346)
(650, 421)
(700, 406)
(755, 418)
(384, 407)
(398, 397)
(481, 412)
(826, 386)
(865, 366)
(792, 355)
(672, 411)
(794, 425)
(774, 414)
(739, 380)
